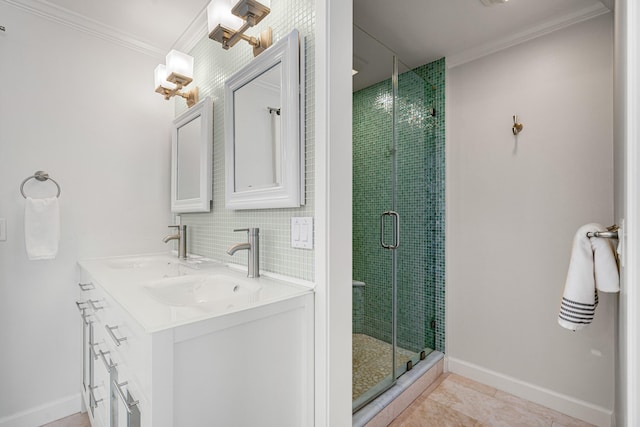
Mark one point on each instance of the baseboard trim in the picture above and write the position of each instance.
(44, 414)
(565, 404)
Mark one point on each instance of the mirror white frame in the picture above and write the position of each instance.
(201, 133)
(289, 192)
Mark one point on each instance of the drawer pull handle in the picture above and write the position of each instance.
(92, 349)
(113, 336)
(82, 305)
(107, 365)
(86, 286)
(93, 396)
(85, 318)
(127, 404)
(93, 303)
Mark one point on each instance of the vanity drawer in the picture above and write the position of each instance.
(128, 344)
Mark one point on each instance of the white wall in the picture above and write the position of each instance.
(333, 253)
(514, 205)
(82, 109)
(627, 160)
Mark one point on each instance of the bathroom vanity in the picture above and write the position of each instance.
(193, 343)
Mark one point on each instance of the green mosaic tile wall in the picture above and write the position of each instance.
(211, 233)
(420, 200)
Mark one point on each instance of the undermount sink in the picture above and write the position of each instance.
(211, 291)
(133, 262)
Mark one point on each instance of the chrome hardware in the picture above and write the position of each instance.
(396, 235)
(79, 303)
(181, 237)
(40, 176)
(92, 349)
(128, 405)
(86, 286)
(93, 396)
(113, 336)
(611, 233)
(93, 303)
(107, 365)
(253, 250)
(85, 318)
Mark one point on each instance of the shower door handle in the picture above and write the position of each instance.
(396, 234)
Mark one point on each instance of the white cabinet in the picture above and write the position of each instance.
(105, 364)
(252, 367)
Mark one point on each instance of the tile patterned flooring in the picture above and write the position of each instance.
(452, 401)
(75, 420)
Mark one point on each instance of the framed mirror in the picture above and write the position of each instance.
(264, 117)
(191, 161)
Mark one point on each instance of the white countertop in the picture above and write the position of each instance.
(124, 279)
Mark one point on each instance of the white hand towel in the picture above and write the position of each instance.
(593, 267)
(42, 227)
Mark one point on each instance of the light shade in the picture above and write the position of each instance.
(160, 78)
(179, 64)
(219, 13)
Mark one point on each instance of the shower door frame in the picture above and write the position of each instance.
(393, 377)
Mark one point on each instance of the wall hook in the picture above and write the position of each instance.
(517, 127)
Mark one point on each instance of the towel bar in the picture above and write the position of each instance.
(611, 233)
(40, 176)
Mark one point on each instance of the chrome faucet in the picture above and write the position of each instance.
(253, 250)
(181, 237)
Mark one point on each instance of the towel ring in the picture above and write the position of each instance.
(40, 176)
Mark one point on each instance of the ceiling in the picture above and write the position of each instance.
(151, 26)
(157, 22)
(418, 31)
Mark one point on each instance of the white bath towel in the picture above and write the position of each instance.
(593, 267)
(42, 227)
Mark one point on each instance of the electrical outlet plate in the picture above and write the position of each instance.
(3, 229)
(302, 232)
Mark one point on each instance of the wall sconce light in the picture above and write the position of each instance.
(176, 74)
(222, 18)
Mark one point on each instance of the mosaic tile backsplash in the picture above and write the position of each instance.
(211, 233)
(419, 159)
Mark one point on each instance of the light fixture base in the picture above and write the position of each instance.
(191, 97)
(179, 79)
(221, 34)
(265, 39)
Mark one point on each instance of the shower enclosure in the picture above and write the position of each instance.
(398, 217)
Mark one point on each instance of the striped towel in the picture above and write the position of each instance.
(593, 267)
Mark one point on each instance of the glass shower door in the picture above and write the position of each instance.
(392, 306)
(373, 320)
(414, 191)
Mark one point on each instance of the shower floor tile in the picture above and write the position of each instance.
(372, 362)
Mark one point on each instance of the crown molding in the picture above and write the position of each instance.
(76, 21)
(529, 34)
(194, 33)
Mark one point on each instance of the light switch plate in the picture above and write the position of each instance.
(302, 232)
(3, 229)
